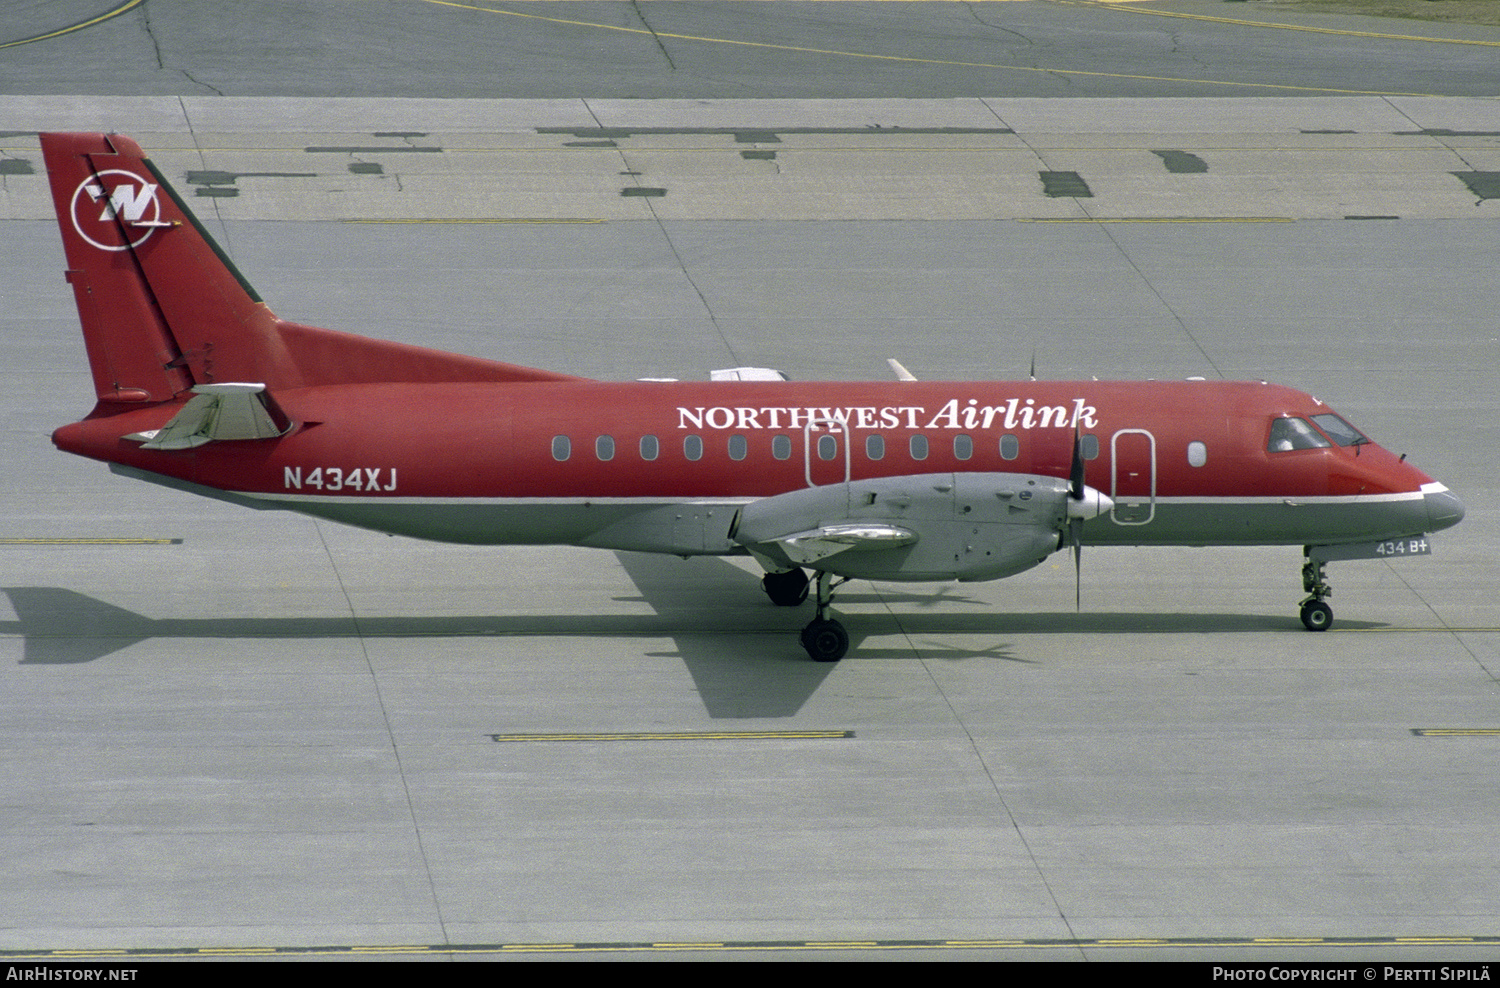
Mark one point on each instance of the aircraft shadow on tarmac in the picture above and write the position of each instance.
(741, 651)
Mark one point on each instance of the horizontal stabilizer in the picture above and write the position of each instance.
(218, 412)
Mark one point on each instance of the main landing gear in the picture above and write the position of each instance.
(824, 638)
(1316, 614)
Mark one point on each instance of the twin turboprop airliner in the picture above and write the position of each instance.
(201, 388)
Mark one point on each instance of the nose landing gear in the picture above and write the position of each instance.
(1316, 614)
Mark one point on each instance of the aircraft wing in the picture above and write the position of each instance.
(947, 526)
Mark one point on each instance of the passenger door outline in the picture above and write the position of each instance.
(1135, 502)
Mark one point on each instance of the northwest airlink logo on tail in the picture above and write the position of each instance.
(107, 205)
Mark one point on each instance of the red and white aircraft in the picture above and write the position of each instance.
(201, 388)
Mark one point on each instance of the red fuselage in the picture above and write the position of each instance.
(1155, 448)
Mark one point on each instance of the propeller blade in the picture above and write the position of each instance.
(1075, 532)
(1075, 473)
(1075, 525)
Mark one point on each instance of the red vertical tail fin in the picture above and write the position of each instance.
(162, 307)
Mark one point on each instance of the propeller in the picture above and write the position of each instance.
(1084, 502)
(1075, 519)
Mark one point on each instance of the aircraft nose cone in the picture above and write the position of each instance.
(1443, 508)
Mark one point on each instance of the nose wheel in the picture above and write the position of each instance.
(1316, 614)
(824, 638)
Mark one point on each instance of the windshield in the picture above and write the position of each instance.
(1294, 433)
(1340, 431)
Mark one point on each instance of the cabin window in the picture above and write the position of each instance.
(1197, 454)
(828, 447)
(781, 447)
(1010, 447)
(650, 448)
(562, 448)
(604, 447)
(918, 447)
(692, 447)
(1088, 447)
(1339, 431)
(738, 447)
(875, 447)
(1294, 433)
(963, 447)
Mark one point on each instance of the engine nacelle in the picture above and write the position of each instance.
(941, 526)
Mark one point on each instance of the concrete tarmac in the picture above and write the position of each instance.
(723, 49)
(234, 729)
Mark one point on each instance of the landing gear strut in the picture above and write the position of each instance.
(1316, 614)
(824, 638)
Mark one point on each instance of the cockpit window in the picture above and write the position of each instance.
(1340, 431)
(1294, 433)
